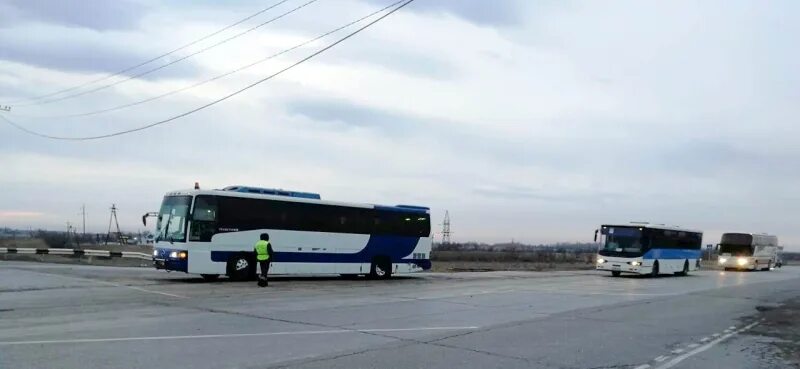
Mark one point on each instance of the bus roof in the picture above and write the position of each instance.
(311, 200)
(653, 226)
(752, 234)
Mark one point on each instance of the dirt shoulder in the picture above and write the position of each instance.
(782, 324)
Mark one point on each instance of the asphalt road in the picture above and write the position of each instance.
(67, 316)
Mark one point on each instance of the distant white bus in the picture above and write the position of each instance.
(748, 251)
(212, 233)
(642, 248)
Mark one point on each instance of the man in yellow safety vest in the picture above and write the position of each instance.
(263, 255)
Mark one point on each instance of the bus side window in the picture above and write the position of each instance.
(204, 219)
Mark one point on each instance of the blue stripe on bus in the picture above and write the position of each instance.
(395, 247)
(672, 254)
(403, 208)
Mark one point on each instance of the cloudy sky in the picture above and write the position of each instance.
(531, 120)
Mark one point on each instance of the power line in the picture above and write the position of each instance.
(226, 74)
(146, 72)
(204, 106)
(223, 29)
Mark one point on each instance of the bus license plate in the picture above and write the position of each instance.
(615, 267)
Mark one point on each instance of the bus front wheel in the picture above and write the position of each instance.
(615, 273)
(654, 271)
(380, 269)
(240, 267)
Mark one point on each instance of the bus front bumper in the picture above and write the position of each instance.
(733, 262)
(168, 259)
(621, 265)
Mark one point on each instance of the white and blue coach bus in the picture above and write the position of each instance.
(212, 233)
(641, 248)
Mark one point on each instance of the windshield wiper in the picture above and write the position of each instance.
(166, 229)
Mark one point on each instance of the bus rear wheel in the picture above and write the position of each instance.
(685, 270)
(615, 273)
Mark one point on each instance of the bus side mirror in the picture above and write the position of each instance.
(144, 220)
(716, 248)
(595, 234)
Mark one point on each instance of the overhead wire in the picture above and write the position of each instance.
(214, 102)
(220, 76)
(148, 61)
(146, 72)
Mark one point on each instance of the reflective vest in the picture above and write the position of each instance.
(261, 250)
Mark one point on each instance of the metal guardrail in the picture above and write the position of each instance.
(76, 252)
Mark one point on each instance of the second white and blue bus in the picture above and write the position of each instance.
(212, 233)
(648, 249)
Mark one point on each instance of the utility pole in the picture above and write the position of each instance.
(446, 228)
(83, 214)
(69, 233)
(113, 219)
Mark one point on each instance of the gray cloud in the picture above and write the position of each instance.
(86, 56)
(482, 12)
(99, 15)
(344, 114)
(400, 61)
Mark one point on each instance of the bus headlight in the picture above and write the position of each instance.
(155, 252)
(636, 263)
(173, 255)
(601, 261)
(723, 260)
(741, 261)
(182, 255)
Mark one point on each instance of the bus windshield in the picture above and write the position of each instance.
(623, 239)
(171, 224)
(736, 244)
(735, 250)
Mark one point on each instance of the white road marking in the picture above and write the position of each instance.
(677, 351)
(151, 291)
(700, 349)
(118, 285)
(693, 345)
(661, 358)
(704, 339)
(643, 366)
(233, 335)
(732, 327)
(715, 335)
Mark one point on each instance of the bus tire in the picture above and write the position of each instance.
(240, 267)
(381, 268)
(769, 266)
(685, 270)
(654, 271)
(615, 273)
(210, 277)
